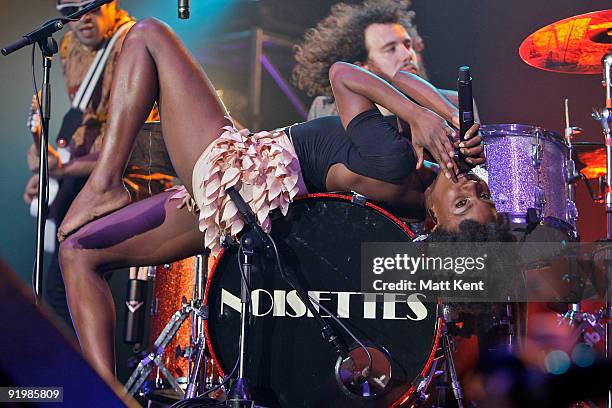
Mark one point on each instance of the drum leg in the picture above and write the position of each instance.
(144, 368)
(199, 370)
(450, 366)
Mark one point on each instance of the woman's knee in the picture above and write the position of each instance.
(149, 29)
(73, 259)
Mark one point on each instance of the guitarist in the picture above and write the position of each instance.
(88, 53)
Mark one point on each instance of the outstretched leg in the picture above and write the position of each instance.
(153, 65)
(149, 232)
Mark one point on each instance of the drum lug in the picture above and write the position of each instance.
(154, 304)
(358, 199)
(570, 169)
(540, 200)
(151, 273)
(572, 212)
(537, 152)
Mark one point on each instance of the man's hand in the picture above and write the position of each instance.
(31, 189)
(471, 148)
(432, 133)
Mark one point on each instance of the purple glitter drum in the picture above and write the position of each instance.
(527, 169)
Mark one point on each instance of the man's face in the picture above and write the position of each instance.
(390, 50)
(93, 27)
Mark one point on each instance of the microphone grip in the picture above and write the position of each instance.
(135, 310)
(466, 101)
(466, 110)
(20, 43)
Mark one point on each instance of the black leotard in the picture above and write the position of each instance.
(370, 146)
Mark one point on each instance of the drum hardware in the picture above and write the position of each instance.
(197, 369)
(590, 327)
(358, 199)
(572, 176)
(144, 368)
(420, 392)
(447, 347)
(196, 378)
(318, 243)
(537, 152)
(527, 170)
(257, 240)
(604, 117)
(539, 201)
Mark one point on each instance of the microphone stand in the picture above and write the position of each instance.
(43, 36)
(256, 240)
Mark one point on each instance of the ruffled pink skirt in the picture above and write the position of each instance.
(263, 167)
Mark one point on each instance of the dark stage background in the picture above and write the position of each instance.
(484, 34)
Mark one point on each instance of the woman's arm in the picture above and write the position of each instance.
(357, 90)
(426, 95)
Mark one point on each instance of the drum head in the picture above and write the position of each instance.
(289, 364)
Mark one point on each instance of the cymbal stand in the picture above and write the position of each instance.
(604, 117)
(447, 349)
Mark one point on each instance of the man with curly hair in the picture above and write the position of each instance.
(378, 35)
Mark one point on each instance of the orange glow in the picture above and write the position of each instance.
(595, 162)
(573, 45)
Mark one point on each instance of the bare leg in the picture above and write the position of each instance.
(149, 232)
(154, 65)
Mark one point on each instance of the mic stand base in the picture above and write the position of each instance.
(239, 395)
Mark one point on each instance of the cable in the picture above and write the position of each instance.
(346, 329)
(336, 319)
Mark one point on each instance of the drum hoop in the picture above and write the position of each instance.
(501, 130)
(347, 197)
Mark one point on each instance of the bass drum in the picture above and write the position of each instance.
(289, 364)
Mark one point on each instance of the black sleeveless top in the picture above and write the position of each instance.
(370, 146)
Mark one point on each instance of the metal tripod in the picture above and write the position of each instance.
(197, 364)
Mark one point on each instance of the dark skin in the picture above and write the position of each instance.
(155, 66)
(450, 203)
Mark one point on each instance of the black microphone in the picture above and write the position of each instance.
(135, 306)
(183, 9)
(466, 110)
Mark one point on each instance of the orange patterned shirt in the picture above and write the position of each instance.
(76, 59)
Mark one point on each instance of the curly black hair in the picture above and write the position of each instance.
(472, 231)
(340, 37)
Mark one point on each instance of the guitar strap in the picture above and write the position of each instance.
(73, 118)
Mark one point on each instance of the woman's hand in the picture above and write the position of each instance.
(432, 133)
(471, 148)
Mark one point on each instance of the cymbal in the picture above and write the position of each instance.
(574, 45)
(592, 163)
(586, 145)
